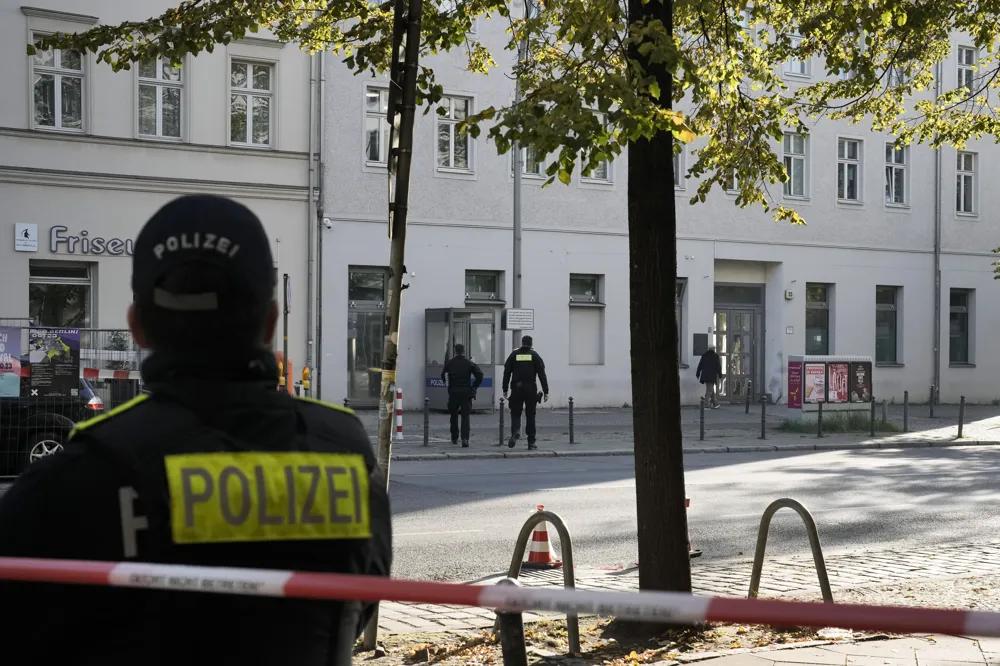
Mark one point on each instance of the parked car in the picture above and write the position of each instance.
(32, 428)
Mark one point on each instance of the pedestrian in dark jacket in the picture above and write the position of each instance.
(458, 372)
(523, 367)
(710, 372)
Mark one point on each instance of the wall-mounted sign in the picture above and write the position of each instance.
(25, 237)
(62, 243)
(518, 319)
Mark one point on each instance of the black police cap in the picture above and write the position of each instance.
(202, 230)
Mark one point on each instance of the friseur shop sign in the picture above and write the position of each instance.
(84, 243)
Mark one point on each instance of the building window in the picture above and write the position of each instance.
(482, 286)
(251, 86)
(160, 90)
(57, 89)
(679, 169)
(453, 144)
(849, 170)
(679, 316)
(602, 171)
(530, 165)
(965, 187)
(959, 346)
(584, 288)
(966, 67)
(376, 126)
(818, 319)
(531, 9)
(366, 285)
(586, 320)
(795, 165)
(895, 174)
(898, 76)
(886, 324)
(60, 294)
(794, 65)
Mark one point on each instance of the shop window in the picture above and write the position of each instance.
(482, 286)
(60, 294)
(818, 303)
(586, 319)
(959, 327)
(887, 324)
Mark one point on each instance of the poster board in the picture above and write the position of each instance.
(814, 389)
(10, 361)
(795, 385)
(860, 377)
(837, 383)
(54, 357)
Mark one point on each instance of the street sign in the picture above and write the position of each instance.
(518, 319)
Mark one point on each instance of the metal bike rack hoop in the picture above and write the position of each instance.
(817, 550)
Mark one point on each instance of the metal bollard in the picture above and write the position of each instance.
(701, 418)
(501, 422)
(930, 401)
(512, 645)
(571, 420)
(961, 415)
(885, 412)
(871, 423)
(906, 411)
(347, 403)
(763, 417)
(427, 421)
(749, 393)
(819, 420)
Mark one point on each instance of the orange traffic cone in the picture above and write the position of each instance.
(692, 553)
(540, 552)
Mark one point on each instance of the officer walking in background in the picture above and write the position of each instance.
(213, 467)
(520, 371)
(458, 372)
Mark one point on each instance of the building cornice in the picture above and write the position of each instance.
(56, 15)
(130, 183)
(154, 145)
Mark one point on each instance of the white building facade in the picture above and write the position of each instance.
(87, 155)
(860, 279)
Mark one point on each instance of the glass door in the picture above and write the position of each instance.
(365, 337)
(720, 324)
(740, 353)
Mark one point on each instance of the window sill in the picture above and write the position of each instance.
(881, 364)
(250, 146)
(58, 130)
(585, 304)
(898, 206)
(961, 365)
(376, 165)
(966, 216)
(796, 198)
(485, 301)
(850, 202)
(684, 366)
(796, 76)
(595, 181)
(160, 139)
(456, 172)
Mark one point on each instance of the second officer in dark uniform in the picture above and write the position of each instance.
(523, 367)
(212, 467)
(459, 372)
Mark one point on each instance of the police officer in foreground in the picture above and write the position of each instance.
(520, 371)
(458, 372)
(213, 467)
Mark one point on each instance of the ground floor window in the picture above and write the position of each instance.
(61, 294)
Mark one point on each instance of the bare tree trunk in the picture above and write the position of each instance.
(659, 458)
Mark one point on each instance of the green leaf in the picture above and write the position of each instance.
(564, 177)
(887, 19)
(654, 90)
(901, 20)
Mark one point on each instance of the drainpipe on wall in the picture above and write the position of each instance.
(318, 224)
(936, 375)
(311, 213)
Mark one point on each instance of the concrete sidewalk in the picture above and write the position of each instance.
(602, 432)
(918, 650)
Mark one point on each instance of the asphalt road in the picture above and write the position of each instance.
(458, 520)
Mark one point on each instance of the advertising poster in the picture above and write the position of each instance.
(795, 385)
(815, 384)
(10, 362)
(54, 357)
(838, 382)
(861, 382)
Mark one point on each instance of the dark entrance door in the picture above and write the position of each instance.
(738, 323)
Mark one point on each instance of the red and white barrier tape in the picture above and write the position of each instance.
(643, 606)
(95, 373)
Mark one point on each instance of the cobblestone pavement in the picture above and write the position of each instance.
(729, 429)
(786, 577)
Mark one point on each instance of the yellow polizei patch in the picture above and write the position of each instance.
(523, 357)
(260, 496)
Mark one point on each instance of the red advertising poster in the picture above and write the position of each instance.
(836, 390)
(795, 385)
(815, 384)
